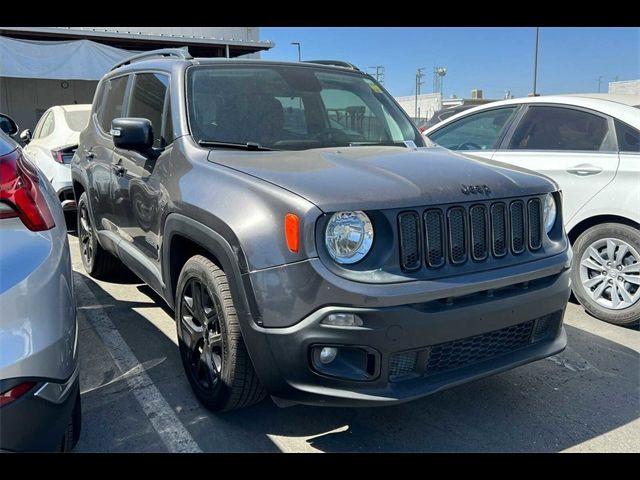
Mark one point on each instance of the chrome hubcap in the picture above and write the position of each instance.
(610, 273)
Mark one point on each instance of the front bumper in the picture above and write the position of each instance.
(37, 421)
(394, 325)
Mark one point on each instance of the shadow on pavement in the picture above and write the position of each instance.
(546, 406)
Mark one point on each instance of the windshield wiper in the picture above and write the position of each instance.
(245, 146)
(377, 144)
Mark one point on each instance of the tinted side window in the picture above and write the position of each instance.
(111, 102)
(147, 101)
(628, 138)
(479, 131)
(38, 129)
(558, 128)
(48, 125)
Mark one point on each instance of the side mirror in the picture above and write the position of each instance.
(25, 136)
(132, 134)
(7, 125)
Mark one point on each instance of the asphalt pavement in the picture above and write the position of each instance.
(135, 396)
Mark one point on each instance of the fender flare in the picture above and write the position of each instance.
(228, 254)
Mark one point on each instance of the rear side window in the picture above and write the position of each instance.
(148, 98)
(628, 138)
(47, 125)
(112, 101)
(38, 129)
(559, 128)
(479, 131)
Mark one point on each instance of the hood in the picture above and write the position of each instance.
(369, 178)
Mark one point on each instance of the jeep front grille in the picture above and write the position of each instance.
(474, 232)
(435, 241)
(409, 240)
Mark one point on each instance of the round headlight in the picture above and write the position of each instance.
(549, 212)
(349, 236)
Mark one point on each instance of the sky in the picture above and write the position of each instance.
(494, 59)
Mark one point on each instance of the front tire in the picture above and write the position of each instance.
(606, 273)
(212, 350)
(96, 260)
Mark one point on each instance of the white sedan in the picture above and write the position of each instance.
(53, 143)
(590, 145)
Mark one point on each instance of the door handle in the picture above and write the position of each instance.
(119, 169)
(584, 170)
(89, 155)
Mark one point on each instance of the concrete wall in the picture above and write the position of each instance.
(26, 99)
(428, 104)
(627, 86)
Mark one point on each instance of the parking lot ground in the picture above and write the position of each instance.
(136, 398)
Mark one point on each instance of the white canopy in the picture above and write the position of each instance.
(64, 60)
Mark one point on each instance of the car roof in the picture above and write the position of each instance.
(168, 64)
(618, 106)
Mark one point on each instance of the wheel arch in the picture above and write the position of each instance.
(184, 237)
(587, 223)
(78, 188)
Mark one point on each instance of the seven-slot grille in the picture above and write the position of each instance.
(475, 232)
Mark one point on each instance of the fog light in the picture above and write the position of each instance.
(328, 355)
(342, 320)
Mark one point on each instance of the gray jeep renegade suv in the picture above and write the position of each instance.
(310, 245)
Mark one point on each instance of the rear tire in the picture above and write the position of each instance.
(212, 350)
(600, 291)
(96, 260)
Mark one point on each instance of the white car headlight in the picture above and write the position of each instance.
(549, 212)
(348, 236)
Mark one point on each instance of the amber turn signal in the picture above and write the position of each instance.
(292, 231)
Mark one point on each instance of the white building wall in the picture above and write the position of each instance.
(428, 104)
(631, 87)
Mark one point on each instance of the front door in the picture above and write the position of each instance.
(477, 133)
(573, 146)
(138, 198)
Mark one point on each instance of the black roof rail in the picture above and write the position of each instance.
(335, 63)
(182, 53)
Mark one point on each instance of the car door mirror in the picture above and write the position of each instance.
(25, 136)
(7, 125)
(133, 134)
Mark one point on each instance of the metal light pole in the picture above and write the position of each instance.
(535, 64)
(419, 83)
(298, 44)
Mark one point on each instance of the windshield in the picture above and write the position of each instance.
(77, 119)
(292, 108)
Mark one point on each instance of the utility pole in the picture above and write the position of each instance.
(379, 75)
(419, 83)
(599, 82)
(535, 63)
(298, 44)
